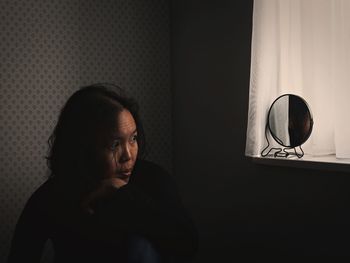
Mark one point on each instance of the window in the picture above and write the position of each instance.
(302, 47)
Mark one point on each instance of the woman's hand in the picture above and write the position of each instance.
(104, 189)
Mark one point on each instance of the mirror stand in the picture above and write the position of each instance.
(289, 122)
(280, 152)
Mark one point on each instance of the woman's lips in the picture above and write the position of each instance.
(124, 174)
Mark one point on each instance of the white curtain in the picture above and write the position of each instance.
(302, 47)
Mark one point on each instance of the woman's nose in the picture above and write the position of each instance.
(126, 154)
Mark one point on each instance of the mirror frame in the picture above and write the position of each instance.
(311, 121)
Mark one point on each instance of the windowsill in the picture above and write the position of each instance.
(328, 162)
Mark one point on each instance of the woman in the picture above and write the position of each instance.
(103, 202)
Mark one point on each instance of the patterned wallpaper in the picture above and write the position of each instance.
(50, 48)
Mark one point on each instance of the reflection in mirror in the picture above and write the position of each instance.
(289, 123)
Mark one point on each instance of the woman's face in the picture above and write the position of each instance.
(118, 151)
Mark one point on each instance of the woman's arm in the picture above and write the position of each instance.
(150, 206)
(30, 233)
(164, 221)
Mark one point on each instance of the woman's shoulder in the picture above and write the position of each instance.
(38, 203)
(41, 194)
(50, 193)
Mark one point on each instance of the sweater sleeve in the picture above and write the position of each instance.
(30, 233)
(155, 212)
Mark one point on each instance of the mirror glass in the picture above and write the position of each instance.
(290, 121)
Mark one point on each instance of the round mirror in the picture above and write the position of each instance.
(290, 121)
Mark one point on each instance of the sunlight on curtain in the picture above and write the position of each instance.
(302, 47)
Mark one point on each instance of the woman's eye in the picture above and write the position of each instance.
(134, 138)
(115, 145)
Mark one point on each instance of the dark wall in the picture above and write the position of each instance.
(241, 209)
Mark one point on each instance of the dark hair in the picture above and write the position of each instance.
(87, 112)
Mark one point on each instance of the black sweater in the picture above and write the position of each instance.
(148, 206)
